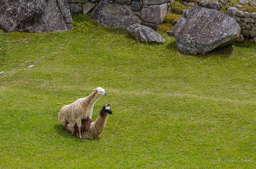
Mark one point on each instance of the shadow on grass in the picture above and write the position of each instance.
(245, 44)
(116, 30)
(221, 52)
(60, 130)
(172, 46)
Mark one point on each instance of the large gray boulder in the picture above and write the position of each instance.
(202, 30)
(145, 34)
(35, 16)
(112, 14)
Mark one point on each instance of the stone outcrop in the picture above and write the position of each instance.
(112, 14)
(203, 30)
(35, 16)
(145, 34)
(124, 13)
(247, 22)
(55, 15)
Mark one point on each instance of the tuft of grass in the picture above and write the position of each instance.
(168, 22)
(177, 7)
(169, 110)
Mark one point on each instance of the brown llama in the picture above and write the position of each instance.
(91, 129)
(80, 109)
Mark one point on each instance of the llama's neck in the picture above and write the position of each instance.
(92, 98)
(100, 122)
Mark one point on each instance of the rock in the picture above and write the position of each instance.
(253, 15)
(78, 1)
(87, 7)
(237, 19)
(192, 4)
(112, 14)
(13, 72)
(154, 13)
(126, 2)
(253, 33)
(247, 20)
(75, 8)
(254, 39)
(210, 5)
(246, 32)
(30, 66)
(155, 2)
(137, 13)
(2, 72)
(238, 5)
(204, 30)
(243, 2)
(252, 3)
(34, 16)
(247, 15)
(240, 38)
(239, 13)
(145, 34)
(232, 11)
(224, 2)
(153, 26)
(136, 6)
(170, 33)
(65, 10)
(251, 40)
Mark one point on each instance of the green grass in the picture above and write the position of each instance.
(247, 8)
(169, 110)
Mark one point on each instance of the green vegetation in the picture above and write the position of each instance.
(177, 7)
(2, 46)
(247, 8)
(168, 22)
(169, 110)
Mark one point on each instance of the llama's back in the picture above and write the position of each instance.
(72, 111)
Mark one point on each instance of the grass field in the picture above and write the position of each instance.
(169, 110)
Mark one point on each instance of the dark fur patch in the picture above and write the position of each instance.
(84, 127)
(66, 126)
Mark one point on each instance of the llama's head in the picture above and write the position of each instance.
(106, 110)
(100, 91)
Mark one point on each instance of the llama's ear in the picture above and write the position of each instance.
(109, 104)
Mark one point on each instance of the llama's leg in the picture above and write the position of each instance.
(79, 124)
(71, 127)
